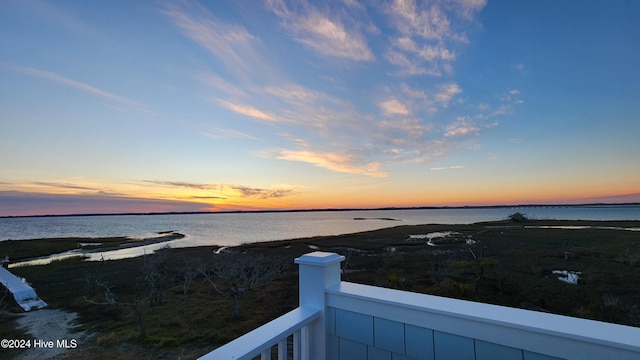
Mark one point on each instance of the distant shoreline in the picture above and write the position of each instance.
(632, 204)
(61, 248)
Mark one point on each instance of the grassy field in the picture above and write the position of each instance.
(505, 263)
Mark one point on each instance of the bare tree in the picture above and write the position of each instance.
(479, 259)
(233, 274)
(150, 284)
(189, 271)
(155, 275)
(110, 299)
(568, 250)
(93, 277)
(345, 264)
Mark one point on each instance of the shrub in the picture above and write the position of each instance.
(517, 217)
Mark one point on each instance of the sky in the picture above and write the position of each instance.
(160, 106)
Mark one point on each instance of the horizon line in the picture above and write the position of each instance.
(328, 209)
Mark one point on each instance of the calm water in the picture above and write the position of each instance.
(234, 229)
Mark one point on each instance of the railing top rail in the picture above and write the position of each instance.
(254, 342)
(408, 306)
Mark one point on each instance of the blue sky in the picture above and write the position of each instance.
(184, 105)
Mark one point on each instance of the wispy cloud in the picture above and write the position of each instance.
(297, 107)
(226, 191)
(247, 110)
(429, 22)
(469, 8)
(408, 67)
(231, 44)
(511, 97)
(442, 168)
(406, 127)
(262, 193)
(372, 142)
(353, 4)
(57, 78)
(182, 184)
(322, 33)
(446, 93)
(31, 203)
(215, 81)
(393, 107)
(425, 52)
(46, 11)
(426, 35)
(463, 125)
(179, 193)
(333, 161)
(507, 104)
(295, 94)
(223, 133)
(423, 102)
(63, 185)
(402, 124)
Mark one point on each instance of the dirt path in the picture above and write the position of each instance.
(49, 329)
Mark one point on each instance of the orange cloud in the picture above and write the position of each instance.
(333, 161)
(247, 110)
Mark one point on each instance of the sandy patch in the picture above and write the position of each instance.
(48, 326)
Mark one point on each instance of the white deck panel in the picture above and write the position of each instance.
(24, 294)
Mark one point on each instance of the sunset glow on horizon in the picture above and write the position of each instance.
(182, 106)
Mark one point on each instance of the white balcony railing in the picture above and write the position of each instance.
(275, 333)
(341, 320)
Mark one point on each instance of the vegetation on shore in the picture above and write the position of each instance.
(508, 263)
(19, 250)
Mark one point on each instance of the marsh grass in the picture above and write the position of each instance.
(18, 250)
(515, 269)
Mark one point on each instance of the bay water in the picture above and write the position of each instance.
(230, 229)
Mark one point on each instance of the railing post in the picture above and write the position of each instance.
(318, 271)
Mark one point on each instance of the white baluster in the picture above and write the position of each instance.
(266, 355)
(305, 349)
(296, 345)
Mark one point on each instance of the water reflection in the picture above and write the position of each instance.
(96, 255)
(47, 259)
